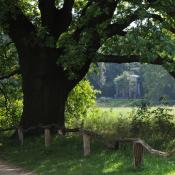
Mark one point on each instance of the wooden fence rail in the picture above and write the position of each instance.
(139, 145)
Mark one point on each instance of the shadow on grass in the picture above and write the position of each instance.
(65, 156)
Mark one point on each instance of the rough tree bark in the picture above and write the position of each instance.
(45, 87)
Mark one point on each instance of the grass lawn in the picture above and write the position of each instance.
(118, 102)
(65, 157)
(124, 112)
(110, 102)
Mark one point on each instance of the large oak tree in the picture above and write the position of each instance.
(56, 42)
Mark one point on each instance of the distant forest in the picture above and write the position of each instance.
(133, 81)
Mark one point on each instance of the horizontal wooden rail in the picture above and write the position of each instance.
(93, 134)
(8, 129)
(154, 151)
(148, 147)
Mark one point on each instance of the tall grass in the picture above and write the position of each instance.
(156, 125)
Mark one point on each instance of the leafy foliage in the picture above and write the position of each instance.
(85, 33)
(155, 124)
(80, 102)
(10, 113)
(157, 83)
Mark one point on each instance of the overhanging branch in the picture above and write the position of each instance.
(130, 59)
(118, 27)
(118, 59)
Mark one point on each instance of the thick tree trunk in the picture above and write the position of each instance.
(45, 90)
(44, 103)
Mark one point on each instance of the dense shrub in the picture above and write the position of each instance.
(156, 125)
(10, 112)
(80, 103)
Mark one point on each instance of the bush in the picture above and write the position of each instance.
(156, 125)
(80, 102)
(10, 112)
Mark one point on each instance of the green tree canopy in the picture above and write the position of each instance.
(55, 41)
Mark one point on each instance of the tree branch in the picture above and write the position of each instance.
(48, 12)
(129, 59)
(165, 62)
(20, 28)
(56, 20)
(118, 59)
(89, 3)
(106, 8)
(117, 28)
(15, 72)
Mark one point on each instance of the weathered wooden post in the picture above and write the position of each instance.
(20, 136)
(86, 144)
(138, 153)
(47, 137)
(60, 132)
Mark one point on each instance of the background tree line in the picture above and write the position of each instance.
(134, 80)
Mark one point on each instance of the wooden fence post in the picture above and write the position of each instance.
(138, 154)
(47, 137)
(60, 132)
(86, 144)
(20, 136)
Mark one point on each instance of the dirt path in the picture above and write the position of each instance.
(7, 169)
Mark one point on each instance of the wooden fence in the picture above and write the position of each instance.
(139, 145)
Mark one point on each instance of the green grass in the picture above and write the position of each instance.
(118, 102)
(65, 156)
(125, 112)
(110, 102)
